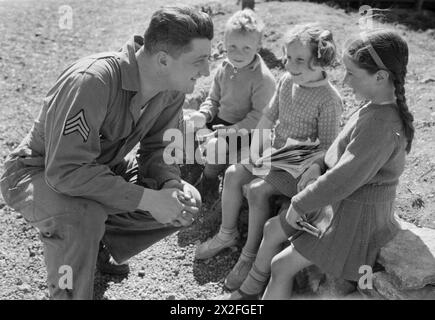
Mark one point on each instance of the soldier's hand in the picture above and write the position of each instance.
(191, 194)
(184, 220)
(171, 205)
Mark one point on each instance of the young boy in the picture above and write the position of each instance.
(242, 86)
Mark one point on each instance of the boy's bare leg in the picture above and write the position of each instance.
(259, 193)
(235, 177)
(232, 195)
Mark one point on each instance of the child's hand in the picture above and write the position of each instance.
(199, 119)
(228, 131)
(309, 176)
(266, 153)
(231, 128)
(293, 217)
(216, 148)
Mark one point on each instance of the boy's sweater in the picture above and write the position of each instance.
(239, 96)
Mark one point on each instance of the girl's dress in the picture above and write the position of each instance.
(363, 167)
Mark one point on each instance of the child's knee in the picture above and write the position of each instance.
(270, 229)
(259, 191)
(234, 175)
(279, 265)
(284, 264)
(217, 149)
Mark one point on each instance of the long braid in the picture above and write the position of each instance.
(405, 114)
(392, 50)
(399, 70)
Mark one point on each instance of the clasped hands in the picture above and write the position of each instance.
(176, 203)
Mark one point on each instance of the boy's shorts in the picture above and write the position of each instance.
(217, 121)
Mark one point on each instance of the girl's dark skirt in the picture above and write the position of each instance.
(358, 227)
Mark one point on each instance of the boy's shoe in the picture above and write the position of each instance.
(238, 274)
(212, 246)
(106, 263)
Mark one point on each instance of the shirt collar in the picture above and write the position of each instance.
(128, 63)
(318, 83)
(254, 63)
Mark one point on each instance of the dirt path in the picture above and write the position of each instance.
(33, 53)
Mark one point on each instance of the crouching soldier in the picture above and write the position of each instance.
(74, 176)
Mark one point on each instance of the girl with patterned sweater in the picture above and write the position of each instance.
(305, 105)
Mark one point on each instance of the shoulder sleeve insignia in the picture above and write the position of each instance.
(78, 124)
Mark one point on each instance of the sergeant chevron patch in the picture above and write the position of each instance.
(77, 123)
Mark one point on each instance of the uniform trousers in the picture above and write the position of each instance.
(71, 228)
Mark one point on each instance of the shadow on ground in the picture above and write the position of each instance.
(103, 282)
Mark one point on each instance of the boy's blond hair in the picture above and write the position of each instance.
(245, 21)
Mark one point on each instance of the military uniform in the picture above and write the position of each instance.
(70, 177)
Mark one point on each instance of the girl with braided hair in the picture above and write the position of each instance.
(351, 199)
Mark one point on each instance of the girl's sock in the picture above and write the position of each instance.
(255, 281)
(247, 255)
(226, 234)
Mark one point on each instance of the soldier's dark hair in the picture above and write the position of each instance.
(172, 28)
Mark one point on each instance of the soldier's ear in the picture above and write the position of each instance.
(162, 59)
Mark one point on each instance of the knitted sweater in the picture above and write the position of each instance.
(239, 96)
(370, 150)
(310, 111)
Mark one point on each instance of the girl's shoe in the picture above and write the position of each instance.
(238, 274)
(212, 246)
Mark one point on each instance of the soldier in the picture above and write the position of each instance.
(73, 176)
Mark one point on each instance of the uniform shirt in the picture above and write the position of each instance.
(370, 150)
(310, 111)
(238, 96)
(91, 119)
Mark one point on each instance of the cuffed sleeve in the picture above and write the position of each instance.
(371, 145)
(73, 144)
(151, 163)
(211, 104)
